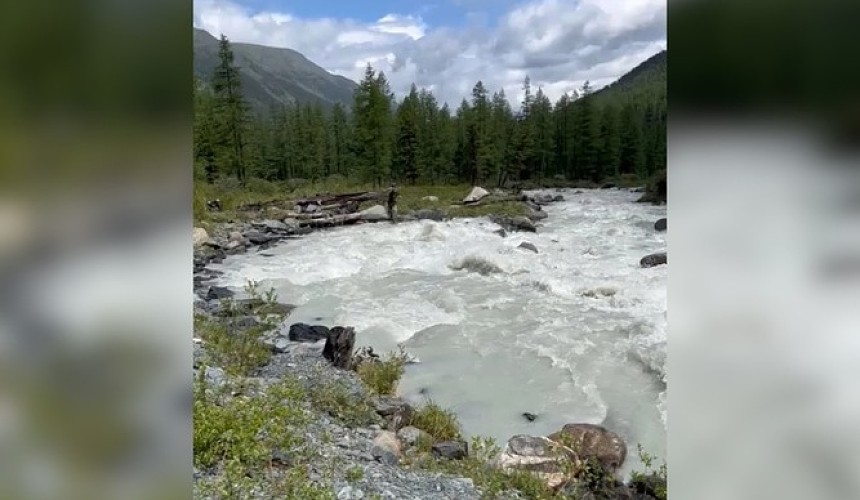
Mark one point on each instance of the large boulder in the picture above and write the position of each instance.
(301, 332)
(386, 448)
(655, 259)
(515, 223)
(376, 212)
(476, 195)
(199, 236)
(660, 225)
(411, 436)
(541, 456)
(595, 442)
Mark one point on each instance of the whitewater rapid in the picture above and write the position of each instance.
(575, 333)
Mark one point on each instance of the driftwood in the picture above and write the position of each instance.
(334, 220)
(347, 202)
(339, 345)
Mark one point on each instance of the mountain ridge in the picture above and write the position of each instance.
(273, 77)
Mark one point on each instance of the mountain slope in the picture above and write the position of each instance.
(272, 76)
(647, 78)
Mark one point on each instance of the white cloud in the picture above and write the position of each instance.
(558, 43)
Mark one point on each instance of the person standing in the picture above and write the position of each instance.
(392, 202)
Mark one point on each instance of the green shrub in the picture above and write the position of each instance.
(439, 422)
(653, 480)
(241, 351)
(245, 429)
(334, 399)
(382, 376)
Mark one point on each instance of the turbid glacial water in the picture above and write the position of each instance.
(575, 333)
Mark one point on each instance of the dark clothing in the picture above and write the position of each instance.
(392, 202)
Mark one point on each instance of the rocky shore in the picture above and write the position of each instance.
(286, 410)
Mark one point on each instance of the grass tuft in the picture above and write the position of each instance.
(439, 422)
(382, 376)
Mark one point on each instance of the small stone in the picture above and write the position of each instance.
(218, 293)
(660, 225)
(531, 417)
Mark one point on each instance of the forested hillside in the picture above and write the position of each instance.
(585, 135)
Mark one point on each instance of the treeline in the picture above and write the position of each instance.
(583, 136)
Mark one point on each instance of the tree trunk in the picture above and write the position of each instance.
(338, 347)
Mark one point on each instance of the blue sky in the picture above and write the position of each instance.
(448, 45)
(434, 13)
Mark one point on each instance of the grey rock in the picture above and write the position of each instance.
(528, 246)
(452, 450)
(301, 332)
(215, 377)
(376, 212)
(501, 232)
(593, 441)
(410, 436)
(219, 292)
(339, 345)
(558, 198)
(660, 225)
(655, 259)
(515, 223)
(257, 238)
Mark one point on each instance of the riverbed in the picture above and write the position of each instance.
(573, 333)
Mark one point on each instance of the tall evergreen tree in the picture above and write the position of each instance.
(406, 154)
(231, 111)
(585, 140)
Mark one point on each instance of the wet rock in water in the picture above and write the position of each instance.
(538, 455)
(528, 246)
(501, 232)
(386, 448)
(531, 417)
(558, 198)
(410, 436)
(660, 225)
(592, 441)
(256, 237)
(429, 214)
(608, 185)
(199, 236)
(476, 195)
(655, 259)
(339, 345)
(477, 265)
(376, 212)
(451, 450)
(543, 198)
(515, 223)
(301, 332)
(537, 215)
(218, 293)
(235, 247)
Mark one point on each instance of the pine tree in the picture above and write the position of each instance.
(585, 140)
(231, 111)
(632, 144)
(478, 130)
(204, 133)
(610, 141)
(406, 155)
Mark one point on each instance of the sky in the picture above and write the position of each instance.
(448, 45)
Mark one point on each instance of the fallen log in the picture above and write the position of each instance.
(335, 220)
